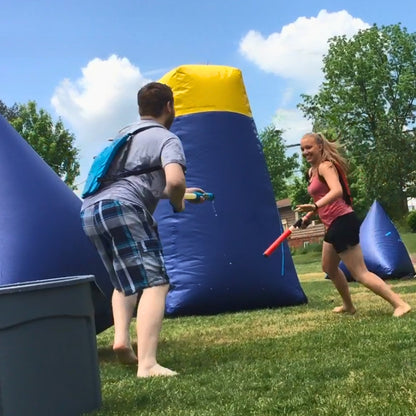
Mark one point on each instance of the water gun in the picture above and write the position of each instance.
(208, 196)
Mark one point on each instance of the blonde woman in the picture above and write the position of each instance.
(329, 191)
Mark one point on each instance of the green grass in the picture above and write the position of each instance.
(309, 262)
(409, 240)
(300, 360)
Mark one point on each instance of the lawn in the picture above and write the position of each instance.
(300, 360)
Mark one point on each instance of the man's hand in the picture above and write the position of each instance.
(196, 200)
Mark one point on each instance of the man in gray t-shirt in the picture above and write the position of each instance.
(118, 219)
(150, 148)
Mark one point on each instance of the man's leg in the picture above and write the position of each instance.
(123, 310)
(150, 315)
(97, 230)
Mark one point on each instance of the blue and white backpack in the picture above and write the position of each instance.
(102, 162)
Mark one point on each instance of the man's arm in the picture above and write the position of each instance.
(175, 185)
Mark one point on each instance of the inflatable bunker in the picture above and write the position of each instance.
(383, 250)
(214, 251)
(40, 228)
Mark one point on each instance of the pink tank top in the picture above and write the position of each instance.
(318, 189)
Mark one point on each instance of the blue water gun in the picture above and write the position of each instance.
(208, 196)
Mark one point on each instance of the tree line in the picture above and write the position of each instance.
(366, 102)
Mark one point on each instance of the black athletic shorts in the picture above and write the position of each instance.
(344, 232)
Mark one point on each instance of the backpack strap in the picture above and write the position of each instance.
(346, 193)
(125, 173)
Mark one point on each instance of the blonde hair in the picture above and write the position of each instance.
(330, 151)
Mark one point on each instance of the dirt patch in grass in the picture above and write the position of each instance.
(310, 277)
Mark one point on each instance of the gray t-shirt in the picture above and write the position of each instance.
(156, 146)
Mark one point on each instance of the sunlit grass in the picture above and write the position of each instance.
(409, 240)
(301, 360)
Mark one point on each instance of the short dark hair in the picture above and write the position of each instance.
(152, 98)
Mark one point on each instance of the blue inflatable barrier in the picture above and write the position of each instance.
(40, 229)
(214, 251)
(383, 249)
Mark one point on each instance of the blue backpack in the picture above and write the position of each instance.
(98, 172)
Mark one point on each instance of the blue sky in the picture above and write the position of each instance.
(84, 60)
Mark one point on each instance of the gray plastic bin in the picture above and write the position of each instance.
(48, 350)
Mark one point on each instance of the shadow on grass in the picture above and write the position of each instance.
(106, 354)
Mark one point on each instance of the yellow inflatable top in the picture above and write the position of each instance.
(202, 88)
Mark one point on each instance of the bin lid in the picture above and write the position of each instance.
(45, 284)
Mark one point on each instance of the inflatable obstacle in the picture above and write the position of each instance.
(40, 228)
(213, 251)
(383, 249)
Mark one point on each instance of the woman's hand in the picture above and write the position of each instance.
(305, 222)
(305, 208)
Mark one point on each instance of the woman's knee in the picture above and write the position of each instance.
(329, 265)
(332, 272)
(358, 272)
(325, 269)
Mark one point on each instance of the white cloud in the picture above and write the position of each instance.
(287, 96)
(296, 52)
(293, 124)
(99, 103)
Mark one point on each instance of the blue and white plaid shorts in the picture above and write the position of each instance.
(127, 240)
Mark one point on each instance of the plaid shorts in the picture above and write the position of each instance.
(127, 241)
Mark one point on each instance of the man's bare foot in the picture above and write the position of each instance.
(402, 310)
(156, 371)
(125, 355)
(343, 309)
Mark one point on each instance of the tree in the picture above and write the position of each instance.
(279, 165)
(298, 188)
(368, 100)
(9, 112)
(51, 141)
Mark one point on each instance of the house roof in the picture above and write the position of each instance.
(283, 203)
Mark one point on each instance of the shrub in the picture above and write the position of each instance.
(411, 221)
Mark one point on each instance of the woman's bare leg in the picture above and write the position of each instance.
(330, 263)
(354, 260)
